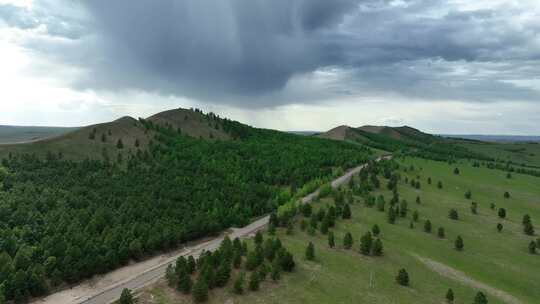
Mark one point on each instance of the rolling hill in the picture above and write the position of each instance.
(96, 141)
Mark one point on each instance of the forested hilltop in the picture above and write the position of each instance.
(65, 218)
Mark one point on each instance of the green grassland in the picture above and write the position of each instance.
(499, 260)
(520, 153)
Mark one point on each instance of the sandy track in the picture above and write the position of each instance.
(107, 288)
(459, 276)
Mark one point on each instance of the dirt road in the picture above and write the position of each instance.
(107, 288)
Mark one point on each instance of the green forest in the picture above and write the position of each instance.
(62, 221)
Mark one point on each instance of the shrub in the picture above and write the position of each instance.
(418, 201)
(456, 171)
(499, 227)
(439, 185)
(492, 206)
(468, 194)
(402, 277)
(506, 194)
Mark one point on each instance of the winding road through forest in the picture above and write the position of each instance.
(107, 288)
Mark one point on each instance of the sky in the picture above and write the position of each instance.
(443, 66)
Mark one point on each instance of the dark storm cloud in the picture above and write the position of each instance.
(248, 52)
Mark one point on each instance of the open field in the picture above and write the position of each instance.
(496, 263)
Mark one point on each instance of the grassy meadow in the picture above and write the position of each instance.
(500, 261)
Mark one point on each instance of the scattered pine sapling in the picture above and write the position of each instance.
(331, 241)
(441, 233)
(310, 252)
(347, 240)
(377, 248)
(502, 213)
(402, 277)
(376, 230)
(532, 247)
(458, 244)
(427, 226)
(480, 298)
(499, 227)
(450, 296)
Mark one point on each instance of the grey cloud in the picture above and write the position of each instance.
(249, 52)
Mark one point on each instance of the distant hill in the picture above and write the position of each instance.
(403, 139)
(19, 134)
(496, 138)
(105, 139)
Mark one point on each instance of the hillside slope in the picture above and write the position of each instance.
(102, 140)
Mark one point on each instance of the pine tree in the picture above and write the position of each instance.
(376, 230)
(380, 203)
(418, 201)
(324, 226)
(506, 194)
(258, 238)
(456, 171)
(366, 242)
(184, 283)
(427, 226)
(526, 219)
(402, 277)
(429, 180)
(310, 252)
(439, 185)
(254, 281)
(502, 213)
(238, 287)
(200, 290)
(346, 212)
(331, 241)
(223, 274)
(119, 144)
(499, 227)
(480, 298)
(532, 247)
(126, 297)
(440, 232)
(458, 244)
(170, 275)
(347, 240)
(275, 274)
(415, 216)
(391, 215)
(137, 143)
(403, 208)
(377, 248)
(453, 214)
(450, 296)
(191, 264)
(474, 208)
(528, 229)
